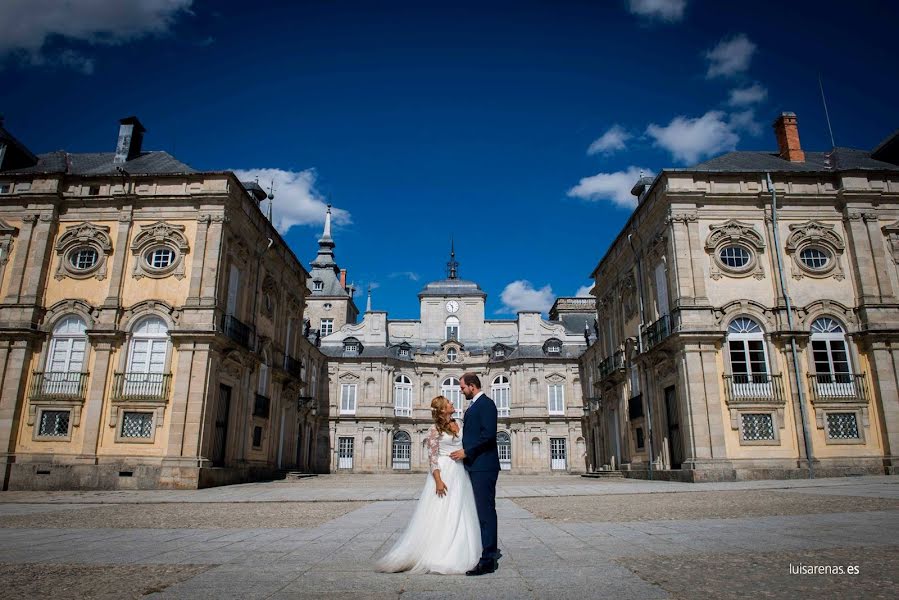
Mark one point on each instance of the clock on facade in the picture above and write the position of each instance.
(452, 306)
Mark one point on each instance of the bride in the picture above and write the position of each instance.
(443, 535)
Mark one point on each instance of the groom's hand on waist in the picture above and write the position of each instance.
(457, 454)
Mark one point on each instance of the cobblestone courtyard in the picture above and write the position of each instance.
(562, 537)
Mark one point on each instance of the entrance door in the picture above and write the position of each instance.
(674, 435)
(558, 456)
(220, 433)
(345, 453)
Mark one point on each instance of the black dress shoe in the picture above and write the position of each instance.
(483, 568)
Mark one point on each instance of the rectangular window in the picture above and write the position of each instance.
(501, 397)
(54, 423)
(842, 426)
(327, 327)
(558, 455)
(257, 437)
(403, 393)
(137, 425)
(348, 399)
(641, 439)
(352, 348)
(557, 399)
(757, 427)
(5, 188)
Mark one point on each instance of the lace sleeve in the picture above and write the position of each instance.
(433, 447)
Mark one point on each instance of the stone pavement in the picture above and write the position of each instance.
(543, 558)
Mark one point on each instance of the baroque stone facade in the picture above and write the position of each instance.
(150, 326)
(384, 373)
(749, 319)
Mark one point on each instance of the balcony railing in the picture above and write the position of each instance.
(58, 385)
(293, 366)
(838, 387)
(402, 412)
(759, 387)
(656, 333)
(146, 387)
(261, 406)
(610, 364)
(237, 330)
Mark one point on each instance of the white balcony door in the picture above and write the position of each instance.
(748, 359)
(402, 392)
(558, 455)
(501, 393)
(833, 369)
(345, 453)
(146, 358)
(504, 449)
(65, 360)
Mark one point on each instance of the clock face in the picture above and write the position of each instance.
(452, 306)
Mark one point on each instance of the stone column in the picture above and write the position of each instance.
(12, 399)
(102, 345)
(884, 362)
(199, 257)
(201, 400)
(119, 258)
(866, 277)
(881, 265)
(701, 407)
(20, 259)
(181, 392)
(212, 262)
(698, 256)
(39, 258)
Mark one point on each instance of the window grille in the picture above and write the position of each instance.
(757, 427)
(842, 426)
(54, 423)
(137, 425)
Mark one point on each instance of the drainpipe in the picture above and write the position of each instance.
(637, 257)
(783, 291)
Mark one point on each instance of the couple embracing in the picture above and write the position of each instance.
(453, 527)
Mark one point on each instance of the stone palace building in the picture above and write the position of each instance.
(749, 318)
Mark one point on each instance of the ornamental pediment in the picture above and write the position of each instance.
(555, 378)
(348, 377)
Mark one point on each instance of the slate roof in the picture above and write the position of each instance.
(838, 159)
(101, 163)
(452, 287)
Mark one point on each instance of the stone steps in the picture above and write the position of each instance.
(604, 475)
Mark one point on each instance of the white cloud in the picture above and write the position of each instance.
(410, 275)
(612, 140)
(296, 202)
(584, 291)
(26, 25)
(690, 139)
(730, 56)
(521, 295)
(746, 96)
(614, 187)
(746, 121)
(663, 10)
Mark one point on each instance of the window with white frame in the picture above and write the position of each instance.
(348, 399)
(501, 393)
(451, 355)
(402, 396)
(556, 393)
(452, 328)
(327, 327)
(833, 368)
(147, 358)
(402, 450)
(748, 359)
(66, 358)
(504, 449)
(450, 390)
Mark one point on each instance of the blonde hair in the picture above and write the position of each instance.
(438, 413)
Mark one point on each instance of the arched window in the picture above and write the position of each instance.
(833, 369)
(450, 389)
(452, 328)
(501, 393)
(748, 358)
(402, 450)
(402, 396)
(147, 355)
(504, 448)
(66, 360)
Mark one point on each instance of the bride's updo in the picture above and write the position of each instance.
(438, 413)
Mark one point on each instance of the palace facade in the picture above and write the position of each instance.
(150, 325)
(749, 319)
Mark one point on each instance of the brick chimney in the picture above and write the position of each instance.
(787, 132)
(131, 138)
(343, 278)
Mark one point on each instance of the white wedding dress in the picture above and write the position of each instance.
(443, 535)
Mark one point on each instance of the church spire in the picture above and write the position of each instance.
(452, 266)
(368, 302)
(326, 245)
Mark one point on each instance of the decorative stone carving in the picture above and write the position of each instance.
(818, 238)
(627, 291)
(892, 234)
(159, 251)
(83, 251)
(740, 235)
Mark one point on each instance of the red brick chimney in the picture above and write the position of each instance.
(343, 278)
(787, 132)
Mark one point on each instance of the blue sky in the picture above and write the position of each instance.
(514, 127)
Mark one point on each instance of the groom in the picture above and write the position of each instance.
(481, 460)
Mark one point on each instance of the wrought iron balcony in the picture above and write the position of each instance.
(237, 330)
(141, 387)
(293, 366)
(656, 333)
(760, 387)
(261, 406)
(838, 387)
(610, 364)
(58, 385)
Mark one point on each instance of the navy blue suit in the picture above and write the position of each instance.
(482, 463)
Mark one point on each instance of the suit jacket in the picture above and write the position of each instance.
(479, 436)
